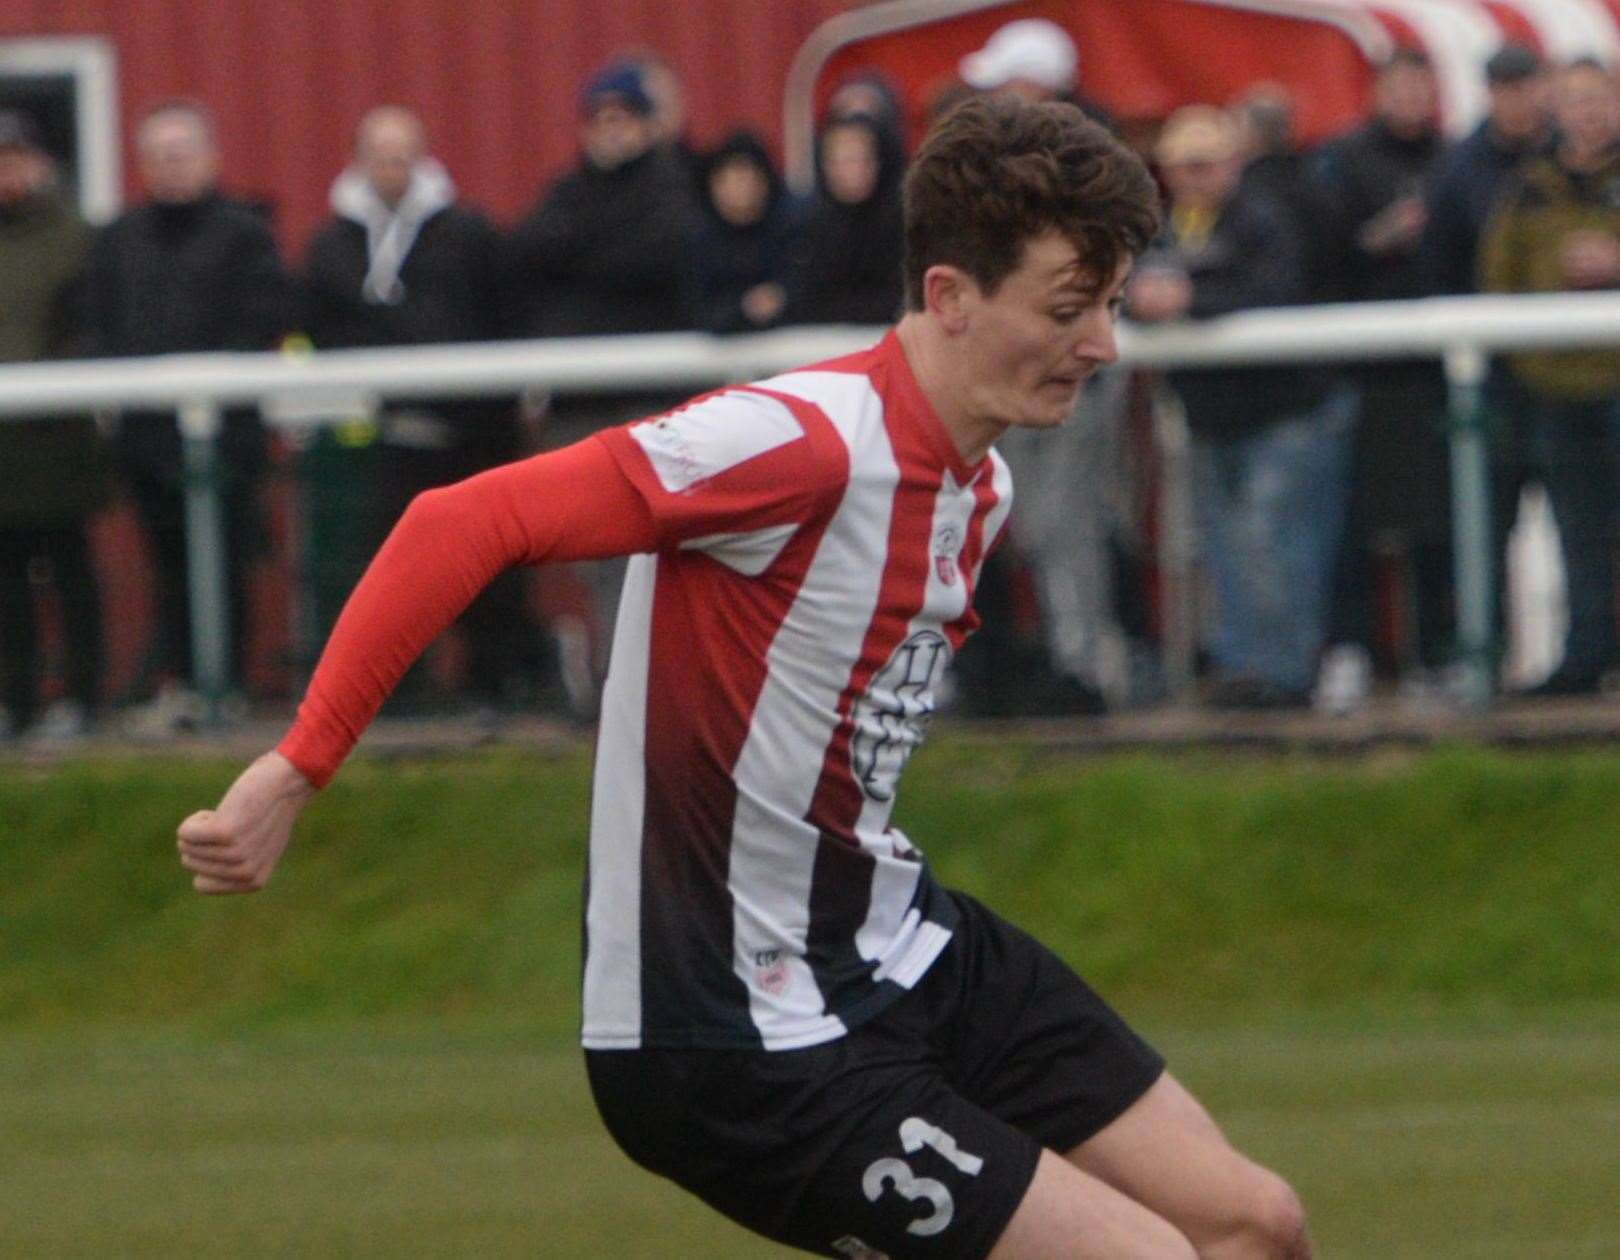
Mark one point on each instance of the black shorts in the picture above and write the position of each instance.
(917, 1133)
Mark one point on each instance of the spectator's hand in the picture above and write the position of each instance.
(235, 847)
(1158, 294)
(764, 302)
(1590, 259)
(1398, 226)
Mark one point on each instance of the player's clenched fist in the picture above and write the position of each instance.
(234, 847)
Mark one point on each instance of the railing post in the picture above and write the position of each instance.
(200, 423)
(1472, 535)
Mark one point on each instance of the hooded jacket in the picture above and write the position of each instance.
(422, 272)
(731, 260)
(850, 264)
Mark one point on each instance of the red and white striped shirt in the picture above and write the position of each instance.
(807, 549)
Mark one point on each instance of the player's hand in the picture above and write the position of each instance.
(234, 847)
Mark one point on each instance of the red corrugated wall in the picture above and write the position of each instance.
(496, 80)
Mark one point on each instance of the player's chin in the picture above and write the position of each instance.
(1054, 403)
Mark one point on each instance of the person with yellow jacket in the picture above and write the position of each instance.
(1557, 229)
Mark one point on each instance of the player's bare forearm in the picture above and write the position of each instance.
(234, 847)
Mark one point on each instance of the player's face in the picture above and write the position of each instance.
(1048, 326)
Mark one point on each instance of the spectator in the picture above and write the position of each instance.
(1470, 176)
(1071, 658)
(56, 469)
(1033, 58)
(1275, 168)
(1469, 179)
(668, 98)
(607, 248)
(1557, 229)
(870, 94)
(188, 270)
(747, 241)
(850, 263)
(1269, 444)
(403, 262)
(1370, 185)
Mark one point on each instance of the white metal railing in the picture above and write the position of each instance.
(301, 389)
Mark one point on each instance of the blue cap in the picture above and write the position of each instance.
(621, 82)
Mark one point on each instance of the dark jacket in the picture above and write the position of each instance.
(849, 270)
(730, 260)
(167, 279)
(201, 276)
(1468, 179)
(1250, 259)
(56, 469)
(1284, 180)
(607, 251)
(1356, 176)
(1521, 253)
(451, 282)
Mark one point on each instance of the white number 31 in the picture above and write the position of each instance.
(915, 1134)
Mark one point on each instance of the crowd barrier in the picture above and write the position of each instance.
(299, 390)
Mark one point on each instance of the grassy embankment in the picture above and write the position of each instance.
(1194, 890)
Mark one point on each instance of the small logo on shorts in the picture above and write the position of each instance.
(855, 1249)
(771, 972)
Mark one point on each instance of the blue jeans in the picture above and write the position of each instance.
(1270, 508)
(1574, 450)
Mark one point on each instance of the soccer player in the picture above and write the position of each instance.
(783, 1011)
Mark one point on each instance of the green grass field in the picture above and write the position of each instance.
(1425, 1145)
(1397, 980)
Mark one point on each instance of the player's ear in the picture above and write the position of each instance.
(948, 294)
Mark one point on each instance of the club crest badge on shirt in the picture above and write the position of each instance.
(947, 545)
(771, 971)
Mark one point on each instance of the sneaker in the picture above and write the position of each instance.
(65, 722)
(1244, 692)
(1344, 680)
(175, 710)
(1567, 681)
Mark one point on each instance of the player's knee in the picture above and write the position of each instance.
(1271, 1222)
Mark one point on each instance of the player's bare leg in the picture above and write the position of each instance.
(1166, 1153)
(1067, 1214)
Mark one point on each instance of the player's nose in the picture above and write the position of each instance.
(1097, 339)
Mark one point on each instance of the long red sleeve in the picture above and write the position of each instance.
(572, 504)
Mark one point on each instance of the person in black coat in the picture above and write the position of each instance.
(745, 246)
(189, 270)
(402, 262)
(849, 269)
(1372, 186)
(606, 250)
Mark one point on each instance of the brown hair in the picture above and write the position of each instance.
(998, 170)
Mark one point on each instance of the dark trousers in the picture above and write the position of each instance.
(161, 507)
(1574, 451)
(1400, 506)
(64, 548)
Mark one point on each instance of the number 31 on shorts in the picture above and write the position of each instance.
(884, 1175)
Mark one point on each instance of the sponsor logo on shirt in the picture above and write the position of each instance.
(892, 717)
